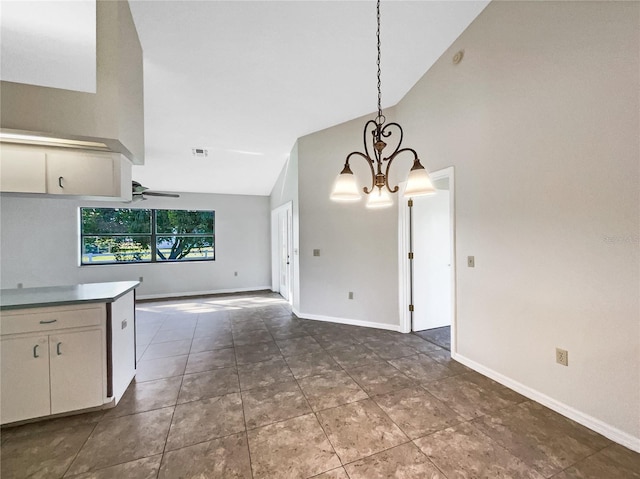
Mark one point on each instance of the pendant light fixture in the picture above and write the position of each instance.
(376, 131)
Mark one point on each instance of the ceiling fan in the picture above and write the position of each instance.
(140, 192)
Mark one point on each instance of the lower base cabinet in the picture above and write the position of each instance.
(75, 370)
(53, 371)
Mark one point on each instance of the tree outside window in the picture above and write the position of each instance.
(120, 235)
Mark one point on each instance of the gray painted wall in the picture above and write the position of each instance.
(540, 121)
(39, 239)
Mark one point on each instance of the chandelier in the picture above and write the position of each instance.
(376, 131)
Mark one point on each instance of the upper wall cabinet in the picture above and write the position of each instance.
(22, 171)
(64, 171)
(112, 116)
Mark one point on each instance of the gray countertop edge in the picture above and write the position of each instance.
(86, 293)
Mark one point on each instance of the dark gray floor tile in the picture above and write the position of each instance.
(207, 360)
(417, 412)
(299, 345)
(273, 403)
(297, 447)
(354, 355)
(382, 379)
(146, 396)
(463, 451)
(254, 353)
(360, 429)
(200, 421)
(468, 399)
(331, 389)
(540, 437)
(160, 368)
(422, 368)
(224, 458)
(401, 462)
(123, 439)
(311, 364)
(216, 382)
(614, 461)
(165, 336)
(256, 375)
(43, 455)
(170, 348)
(209, 343)
(146, 468)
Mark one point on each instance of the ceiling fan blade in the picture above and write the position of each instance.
(139, 191)
(138, 188)
(159, 193)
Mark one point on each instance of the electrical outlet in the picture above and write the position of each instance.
(562, 357)
(350, 294)
(316, 252)
(471, 261)
(235, 273)
(141, 279)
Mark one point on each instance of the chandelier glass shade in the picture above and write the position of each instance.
(376, 131)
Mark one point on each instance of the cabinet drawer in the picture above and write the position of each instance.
(27, 321)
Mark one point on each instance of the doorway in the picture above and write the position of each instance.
(281, 249)
(430, 236)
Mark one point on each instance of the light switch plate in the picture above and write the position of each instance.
(316, 252)
(471, 261)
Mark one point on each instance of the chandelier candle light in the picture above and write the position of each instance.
(418, 182)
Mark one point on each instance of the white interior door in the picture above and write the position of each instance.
(282, 244)
(432, 264)
(283, 228)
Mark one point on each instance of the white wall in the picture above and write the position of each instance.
(39, 241)
(541, 122)
(358, 247)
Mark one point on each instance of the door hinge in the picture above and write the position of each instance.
(411, 307)
(411, 255)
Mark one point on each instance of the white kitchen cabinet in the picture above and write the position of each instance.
(22, 170)
(76, 370)
(64, 171)
(25, 367)
(122, 354)
(71, 173)
(53, 361)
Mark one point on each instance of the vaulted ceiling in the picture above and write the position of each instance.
(245, 79)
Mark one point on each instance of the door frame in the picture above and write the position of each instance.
(405, 283)
(275, 249)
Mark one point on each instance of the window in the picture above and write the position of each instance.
(119, 235)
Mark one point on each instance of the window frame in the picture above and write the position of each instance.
(153, 236)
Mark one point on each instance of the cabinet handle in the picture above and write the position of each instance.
(60, 182)
(48, 322)
(35, 351)
(58, 349)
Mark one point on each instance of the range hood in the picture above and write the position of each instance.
(111, 119)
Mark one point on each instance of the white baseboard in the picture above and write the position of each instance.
(608, 431)
(352, 322)
(202, 293)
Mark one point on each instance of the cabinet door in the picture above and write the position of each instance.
(123, 355)
(77, 374)
(25, 378)
(72, 173)
(22, 170)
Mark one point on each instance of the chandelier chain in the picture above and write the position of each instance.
(380, 118)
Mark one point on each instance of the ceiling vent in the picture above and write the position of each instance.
(199, 152)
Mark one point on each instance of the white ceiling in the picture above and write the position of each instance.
(245, 79)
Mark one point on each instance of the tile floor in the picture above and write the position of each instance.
(439, 336)
(235, 387)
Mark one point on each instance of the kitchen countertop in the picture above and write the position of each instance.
(61, 295)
